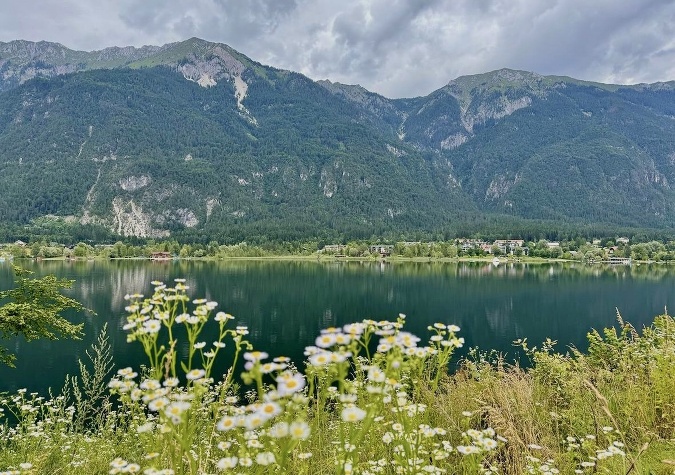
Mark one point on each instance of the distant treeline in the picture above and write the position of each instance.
(287, 235)
(574, 249)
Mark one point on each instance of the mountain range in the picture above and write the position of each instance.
(195, 139)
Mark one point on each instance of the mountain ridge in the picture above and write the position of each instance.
(117, 56)
(195, 137)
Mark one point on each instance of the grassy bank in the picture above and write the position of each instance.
(371, 399)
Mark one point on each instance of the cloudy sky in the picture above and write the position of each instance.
(398, 48)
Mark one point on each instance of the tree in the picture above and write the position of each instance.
(81, 250)
(34, 310)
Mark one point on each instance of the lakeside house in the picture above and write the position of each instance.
(508, 246)
(383, 250)
(338, 249)
(468, 244)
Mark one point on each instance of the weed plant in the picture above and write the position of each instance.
(372, 399)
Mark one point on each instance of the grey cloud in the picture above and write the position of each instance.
(398, 48)
(219, 20)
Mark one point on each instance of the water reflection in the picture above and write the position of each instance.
(285, 304)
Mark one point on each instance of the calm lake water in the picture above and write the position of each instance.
(286, 304)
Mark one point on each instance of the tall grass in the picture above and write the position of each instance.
(372, 399)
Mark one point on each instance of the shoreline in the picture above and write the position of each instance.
(328, 258)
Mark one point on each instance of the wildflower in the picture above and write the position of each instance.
(268, 368)
(195, 374)
(118, 463)
(353, 414)
(457, 342)
(176, 409)
(269, 409)
(150, 385)
(226, 423)
(488, 444)
(279, 430)
(265, 458)
(255, 356)
(299, 430)
(254, 444)
(182, 318)
(407, 339)
(342, 339)
(223, 317)
(340, 357)
(320, 359)
(253, 421)
(467, 449)
(354, 329)
(158, 404)
(227, 462)
(152, 326)
(154, 394)
(376, 375)
(199, 345)
(147, 427)
(325, 341)
(348, 398)
(384, 347)
(127, 373)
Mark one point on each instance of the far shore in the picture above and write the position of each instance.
(331, 258)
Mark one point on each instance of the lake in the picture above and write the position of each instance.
(286, 303)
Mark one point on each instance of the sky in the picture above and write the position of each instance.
(397, 48)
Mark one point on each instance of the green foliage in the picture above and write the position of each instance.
(303, 160)
(34, 309)
(88, 393)
(371, 400)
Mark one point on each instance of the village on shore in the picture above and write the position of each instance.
(619, 250)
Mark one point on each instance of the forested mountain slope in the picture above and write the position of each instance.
(196, 137)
